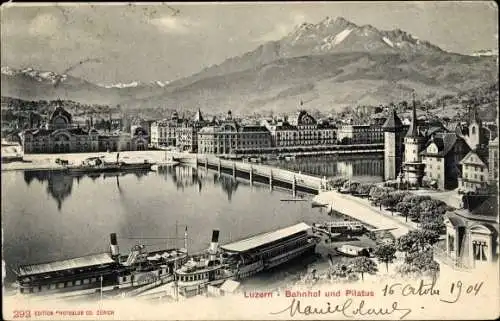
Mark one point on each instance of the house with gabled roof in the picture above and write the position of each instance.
(474, 176)
(441, 157)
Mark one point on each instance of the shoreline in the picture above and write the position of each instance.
(47, 161)
(362, 211)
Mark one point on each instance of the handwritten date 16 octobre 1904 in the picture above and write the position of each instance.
(453, 293)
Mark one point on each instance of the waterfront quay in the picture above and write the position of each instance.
(361, 211)
(48, 161)
(345, 204)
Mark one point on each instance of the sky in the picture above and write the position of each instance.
(160, 41)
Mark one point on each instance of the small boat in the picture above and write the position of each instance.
(98, 165)
(353, 250)
(343, 227)
(294, 200)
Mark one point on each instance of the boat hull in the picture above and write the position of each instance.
(110, 168)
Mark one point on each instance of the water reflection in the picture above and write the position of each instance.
(187, 176)
(229, 184)
(60, 184)
(364, 166)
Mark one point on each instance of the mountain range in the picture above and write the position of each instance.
(328, 65)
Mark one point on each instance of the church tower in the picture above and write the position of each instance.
(413, 167)
(393, 146)
(475, 126)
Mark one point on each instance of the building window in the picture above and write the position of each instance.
(479, 251)
(451, 243)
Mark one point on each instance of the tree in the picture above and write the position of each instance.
(391, 200)
(363, 265)
(385, 253)
(432, 222)
(404, 209)
(342, 271)
(337, 182)
(417, 241)
(364, 189)
(420, 263)
(339, 271)
(433, 206)
(378, 193)
(414, 213)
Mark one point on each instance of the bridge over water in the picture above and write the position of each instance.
(276, 176)
(256, 172)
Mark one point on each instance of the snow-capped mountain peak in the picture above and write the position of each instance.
(134, 84)
(38, 75)
(121, 85)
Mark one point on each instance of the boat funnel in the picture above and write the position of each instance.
(214, 245)
(113, 244)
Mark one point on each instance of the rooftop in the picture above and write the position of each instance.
(265, 238)
(392, 121)
(75, 263)
(444, 142)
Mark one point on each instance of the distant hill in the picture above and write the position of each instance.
(328, 65)
(31, 84)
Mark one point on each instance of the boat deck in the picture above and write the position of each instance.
(74, 263)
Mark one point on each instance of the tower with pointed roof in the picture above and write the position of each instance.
(413, 168)
(393, 146)
(475, 126)
(198, 117)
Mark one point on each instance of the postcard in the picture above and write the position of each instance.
(250, 161)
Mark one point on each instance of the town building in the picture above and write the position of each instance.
(218, 138)
(283, 134)
(186, 135)
(413, 168)
(231, 138)
(493, 160)
(119, 141)
(475, 134)
(474, 176)
(302, 130)
(476, 164)
(393, 146)
(360, 134)
(472, 239)
(60, 135)
(442, 159)
(252, 139)
(163, 132)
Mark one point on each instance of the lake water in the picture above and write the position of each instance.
(52, 215)
(366, 168)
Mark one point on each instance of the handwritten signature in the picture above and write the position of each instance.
(348, 308)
